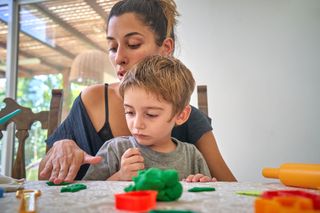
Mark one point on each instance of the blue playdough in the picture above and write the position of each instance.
(1, 192)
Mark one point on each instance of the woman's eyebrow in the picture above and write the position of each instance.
(126, 36)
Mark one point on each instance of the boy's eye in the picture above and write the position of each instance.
(151, 115)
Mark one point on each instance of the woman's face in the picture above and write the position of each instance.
(130, 41)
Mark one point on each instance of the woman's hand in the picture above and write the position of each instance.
(131, 162)
(63, 162)
(199, 178)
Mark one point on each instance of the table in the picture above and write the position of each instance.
(99, 197)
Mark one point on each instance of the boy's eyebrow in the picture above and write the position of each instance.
(148, 107)
(126, 36)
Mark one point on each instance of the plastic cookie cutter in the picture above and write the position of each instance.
(28, 200)
(292, 204)
(136, 200)
(315, 198)
(288, 201)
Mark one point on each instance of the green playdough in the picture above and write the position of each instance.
(166, 182)
(73, 188)
(49, 183)
(201, 189)
(249, 193)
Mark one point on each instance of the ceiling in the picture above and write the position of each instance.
(53, 33)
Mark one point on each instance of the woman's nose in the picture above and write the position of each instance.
(121, 57)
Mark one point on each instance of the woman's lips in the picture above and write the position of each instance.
(121, 73)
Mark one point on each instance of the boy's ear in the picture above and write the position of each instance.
(184, 115)
(167, 47)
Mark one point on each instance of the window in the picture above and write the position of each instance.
(52, 34)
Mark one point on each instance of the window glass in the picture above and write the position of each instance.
(52, 34)
(3, 47)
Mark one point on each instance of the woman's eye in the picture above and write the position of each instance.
(128, 112)
(133, 46)
(112, 49)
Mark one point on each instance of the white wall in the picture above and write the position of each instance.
(261, 62)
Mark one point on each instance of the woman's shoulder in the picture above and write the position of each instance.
(98, 90)
(92, 93)
(197, 121)
(197, 116)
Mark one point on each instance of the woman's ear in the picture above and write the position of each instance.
(167, 47)
(184, 115)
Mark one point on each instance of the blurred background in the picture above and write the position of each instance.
(259, 59)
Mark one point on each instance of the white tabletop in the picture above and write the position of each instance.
(99, 197)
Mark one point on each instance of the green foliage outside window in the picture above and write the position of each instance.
(35, 93)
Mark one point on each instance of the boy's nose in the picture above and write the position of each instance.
(139, 123)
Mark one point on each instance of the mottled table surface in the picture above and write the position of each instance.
(99, 197)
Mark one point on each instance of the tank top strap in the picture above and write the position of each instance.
(105, 132)
(106, 101)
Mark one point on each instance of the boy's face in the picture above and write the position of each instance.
(148, 118)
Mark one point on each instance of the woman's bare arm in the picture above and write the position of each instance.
(207, 145)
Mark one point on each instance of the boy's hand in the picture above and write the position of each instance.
(199, 178)
(131, 162)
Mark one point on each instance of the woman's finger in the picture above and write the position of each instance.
(64, 168)
(54, 172)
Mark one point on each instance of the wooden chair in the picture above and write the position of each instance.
(23, 121)
(202, 98)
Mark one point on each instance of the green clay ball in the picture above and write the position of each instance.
(166, 182)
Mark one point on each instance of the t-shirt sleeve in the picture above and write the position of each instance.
(109, 164)
(192, 130)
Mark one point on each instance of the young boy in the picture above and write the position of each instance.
(156, 96)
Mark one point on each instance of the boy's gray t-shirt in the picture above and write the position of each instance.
(186, 159)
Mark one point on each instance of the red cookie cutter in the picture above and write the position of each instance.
(281, 193)
(136, 200)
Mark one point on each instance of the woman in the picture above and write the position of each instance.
(136, 29)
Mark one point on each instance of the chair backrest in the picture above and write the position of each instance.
(23, 121)
(202, 98)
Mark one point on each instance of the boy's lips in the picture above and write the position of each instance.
(141, 136)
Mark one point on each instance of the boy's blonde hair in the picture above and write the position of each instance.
(164, 76)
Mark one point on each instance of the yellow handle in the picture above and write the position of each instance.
(271, 172)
